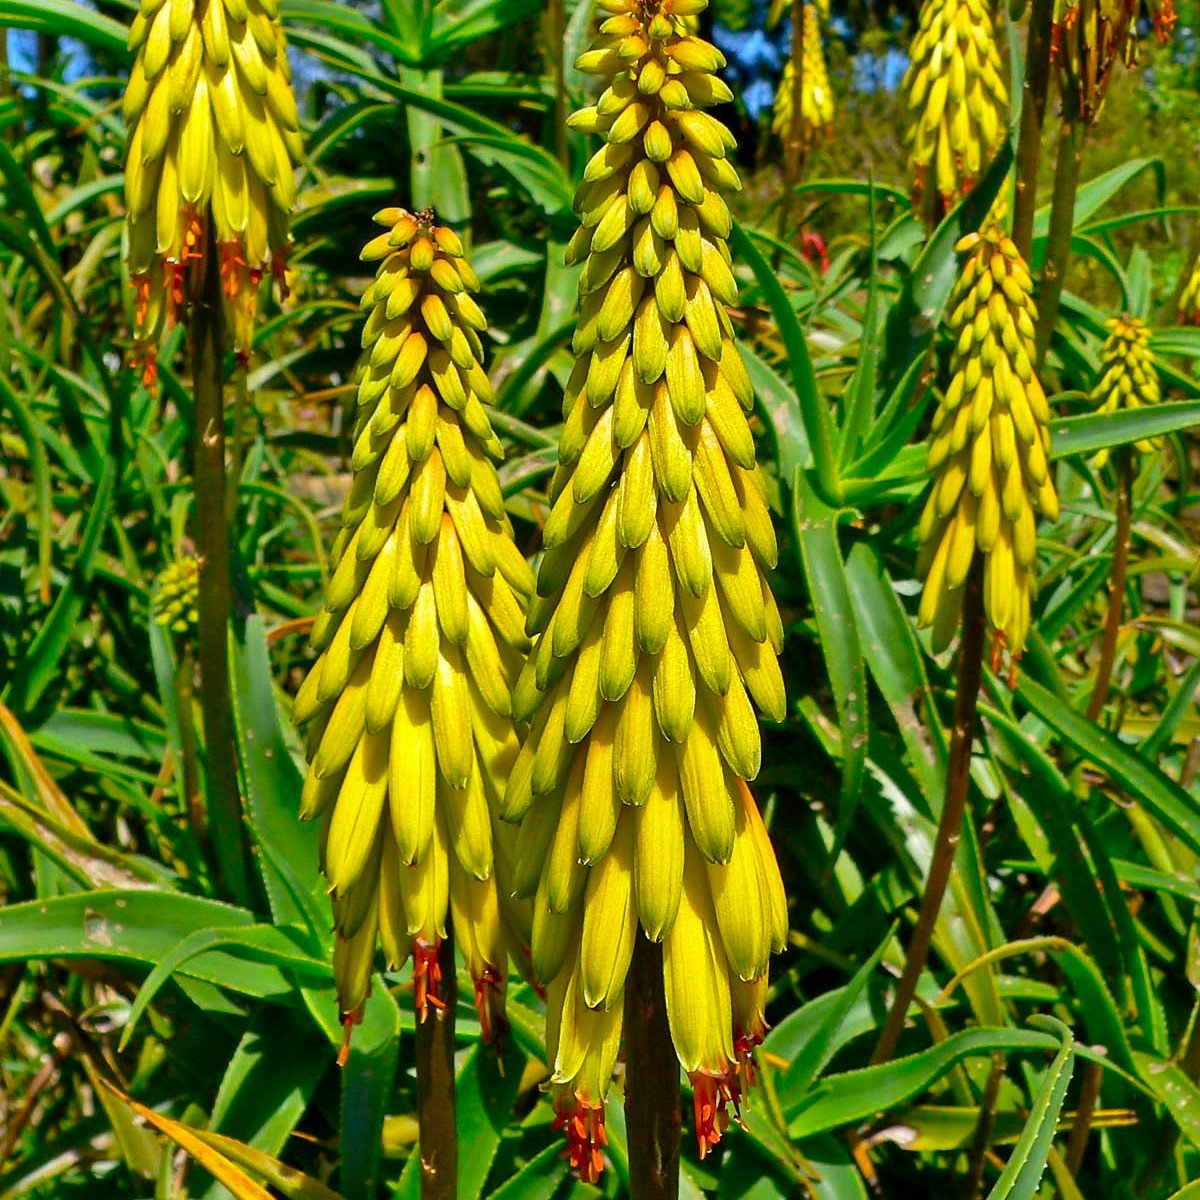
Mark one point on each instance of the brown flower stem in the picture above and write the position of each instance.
(653, 1108)
(1033, 115)
(793, 151)
(1085, 1110)
(949, 831)
(982, 1136)
(215, 601)
(1116, 585)
(438, 1146)
(1071, 140)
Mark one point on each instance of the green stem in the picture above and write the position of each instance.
(215, 587)
(558, 50)
(237, 449)
(1116, 586)
(1071, 140)
(1033, 115)
(653, 1108)
(438, 1144)
(793, 150)
(189, 758)
(949, 832)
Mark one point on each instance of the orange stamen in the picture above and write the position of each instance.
(586, 1137)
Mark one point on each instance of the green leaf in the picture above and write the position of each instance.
(822, 1042)
(258, 943)
(1158, 793)
(138, 926)
(1096, 193)
(268, 1084)
(1097, 431)
(271, 781)
(65, 18)
(1026, 1165)
(855, 1095)
(816, 531)
(812, 408)
(1175, 1090)
(366, 1088)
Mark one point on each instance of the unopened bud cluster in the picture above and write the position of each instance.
(657, 633)
(213, 137)
(956, 98)
(1128, 378)
(989, 451)
(176, 594)
(409, 705)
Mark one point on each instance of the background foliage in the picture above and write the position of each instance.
(1061, 1000)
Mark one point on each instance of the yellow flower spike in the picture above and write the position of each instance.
(410, 700)
(957, 99)
(990, 478)
(1127, 378)
(213, 139)
(816, 96)
(176, 590)
(657, 634)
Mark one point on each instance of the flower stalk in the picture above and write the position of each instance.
(438, 1146)
(215, 585)
(1033, 116)
(988, 455)
(1128, 379)
(954, 807)
(653, 1104)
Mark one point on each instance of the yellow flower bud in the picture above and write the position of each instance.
(988, 452)
(213, 144)
(1128, 378)
(420, 640)
(816, 96)
(657, 636)
(956, 99)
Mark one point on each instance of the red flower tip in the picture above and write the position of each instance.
(349, 1020)
(583, 1125)
(710, 1096)
(427, 976)
(489, 1003)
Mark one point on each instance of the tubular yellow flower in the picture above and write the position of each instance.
(988, 453)
(409, 705)
(1127, 375)
(1189, 299)
(957, 99)
(175, 595)
(213, 135)
(816, 107)
(1089, 36)
(657, 633)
